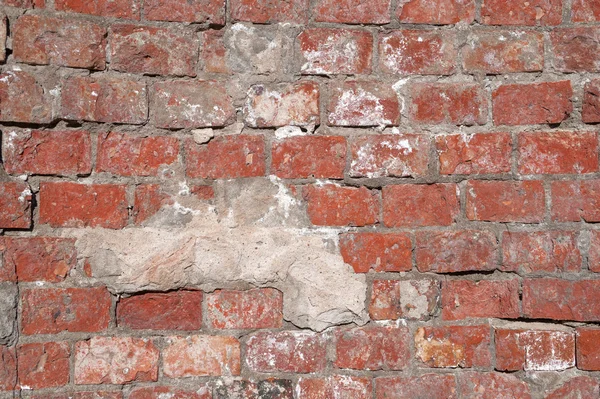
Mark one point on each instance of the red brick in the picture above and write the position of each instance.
(309, 156)
(80, 205)
(585, 11)
(43, 365)
(390, 155)
(286, 351)
(149, 198)
(474, 385)
(65, 42)
(452, 103)
(203, 11)
(47, 152)
(423, 52)
(411, 205)
(115, 360)
(226, 157)
(505, 201)
(82, 395)
(372, 348)
(362, 103)
(325, 51)
(269, 11)
(255, 308)
(463, 299)
(128, 155)
(532, 103)
(558, 152)
(517, 12)
(454, 346)
(548, 251)
(191, 104)
(153, 51)
(387, 252)
(430, 386)
(437, 12)
(201, 355)
(533, 350)
(411, 299)
(41, 258)
(8, 368)
(336, 386)
(176, 310)
(104, 99)
(7, 267)
(480, 153)
(15, 205)
(282, 104)
(561, 299)
(353, 11)
(588, 352)
(248, 389)
(456, 251)
(504, 51)
(50, 311)
(3, 33)
(129, 9)
(213, 52)
(591, 102)
(575, 201)
(577, 388)
(169, 392)
(594, 251)
(332, 205)
(24, 3)
(24, 98)
(576, 49)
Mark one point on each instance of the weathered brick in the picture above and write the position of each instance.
(532, 103)
(286, 351)
(24, 3)
(128, 155)
(148, 199)
(82, 395)
(40, 258)
(325, 51)
(104, 99)
(463, 299)
(576, 49)
(430, 386)
(269, 11)
(43, 365)
(7, 267)
(437, 12)
(517, 12)
(336, 386)
(454, 346)
(3, 33)
(548, 251)
(129, 9)
(372, 348)
(594, 251)
(58, 41)
(480, 153)
(176, 310)
(362, 103)
(24, 98)
(411, 299)
(50, 311)
(475, 385)
(191, 104)
(503, 51)
(202, 11)
(380, 252)
(213, 52)
(332, 205)
(456, 251)
(200, 355)
(591, 102)
(255, 308)
(8, 368)
(153, 51)
(169, 392)
(64, 204)
(588, 352)
(575, 201)
(448, 103)
(115, 360)
(353, 11)
(226, 157)
(282, 104)
(558, 152)
(15, 205)
(585, 11)
(423, 52)
(309, 156)
(556, 299)
(410, 205)
(271, 388)
(390, 155)
(577, 388)
(47, 152)
(505, 201)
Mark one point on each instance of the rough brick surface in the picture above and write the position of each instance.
(578, 387)
(591, 102)
(477, 385)
(391, 252)
(353, 11)
(410, 299)
(433, 386)
(15, 205)
(515, 12)
(437, 12)
(411, 205)
(576, 49)
(43, 365)
(463, 298)
(200, 355)
(585, 11)
(8, 368)
(575, 200)
(454, 346)
(480, 153)
(439, 103)
(309, 156)
(256, 308)
(588, 355)
(40, 258)
(264, 11)
(24, 98)
(332, 205)
(550, 298)
(362, 103)
(211, 11)
(128, 9)
(329, 387)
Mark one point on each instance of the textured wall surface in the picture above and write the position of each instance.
(299, 199)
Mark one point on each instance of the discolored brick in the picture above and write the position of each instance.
(362, 103)
(463, 299)
(410, 205)
(480, 153)
(43, 365)
(454, 346)
(380, 252)
(201, 11)
(448, 103)
(15, 205)
(410, 299)
(251, 309)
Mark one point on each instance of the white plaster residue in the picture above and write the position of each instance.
(184, 189)
(26, 193)
(288, 131)
(358, 107)
(552, 361)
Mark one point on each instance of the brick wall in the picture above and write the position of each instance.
(294, 199)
